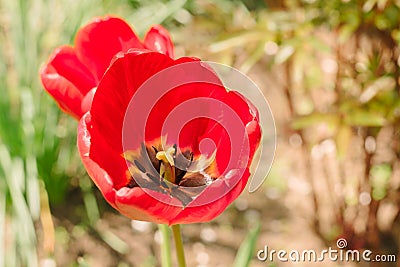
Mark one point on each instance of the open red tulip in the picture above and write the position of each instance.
(136, 172)
(72, 72)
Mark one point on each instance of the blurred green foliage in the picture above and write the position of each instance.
(38, 154)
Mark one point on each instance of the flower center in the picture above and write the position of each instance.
(156, 169)
(159, 166)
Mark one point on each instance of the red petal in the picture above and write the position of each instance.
(127, 73)
(134, 203)
(209, 211)
(67, 80)
(253, 130)
(67, 64)
(171, 100)
(228, 132)
(99, 176)
(179, 100)
(250, 130)
(63, 91)
(100, 40)
(116, 89)
(158, 39)
(87, 100)
(114, 92)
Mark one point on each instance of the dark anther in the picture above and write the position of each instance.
(179, 175)
(152, 152)
(193, 180)
(180, 158)
(139, 166)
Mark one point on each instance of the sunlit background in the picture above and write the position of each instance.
(330, 71)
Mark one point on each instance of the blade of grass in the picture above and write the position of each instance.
(2, 220)
(32, 187)
(245, 252)
(114, 242)
(26, 235)
(154, 13)
(89, 200)
(21, 218)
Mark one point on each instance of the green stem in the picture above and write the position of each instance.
(180, 254)
(165, 246)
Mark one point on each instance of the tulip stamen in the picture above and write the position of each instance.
(159, 171)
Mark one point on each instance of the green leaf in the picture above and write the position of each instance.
(154, 13)
(360, 117)
(245, 252)
(238, 39)
(381, 84)
(313, 119)
(346, 32)
(380, 177)
(253, 58)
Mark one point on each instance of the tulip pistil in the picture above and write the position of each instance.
(167, 164)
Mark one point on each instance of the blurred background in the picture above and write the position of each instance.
(330, 71)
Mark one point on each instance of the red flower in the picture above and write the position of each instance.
(119, 157)
(72, 73)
